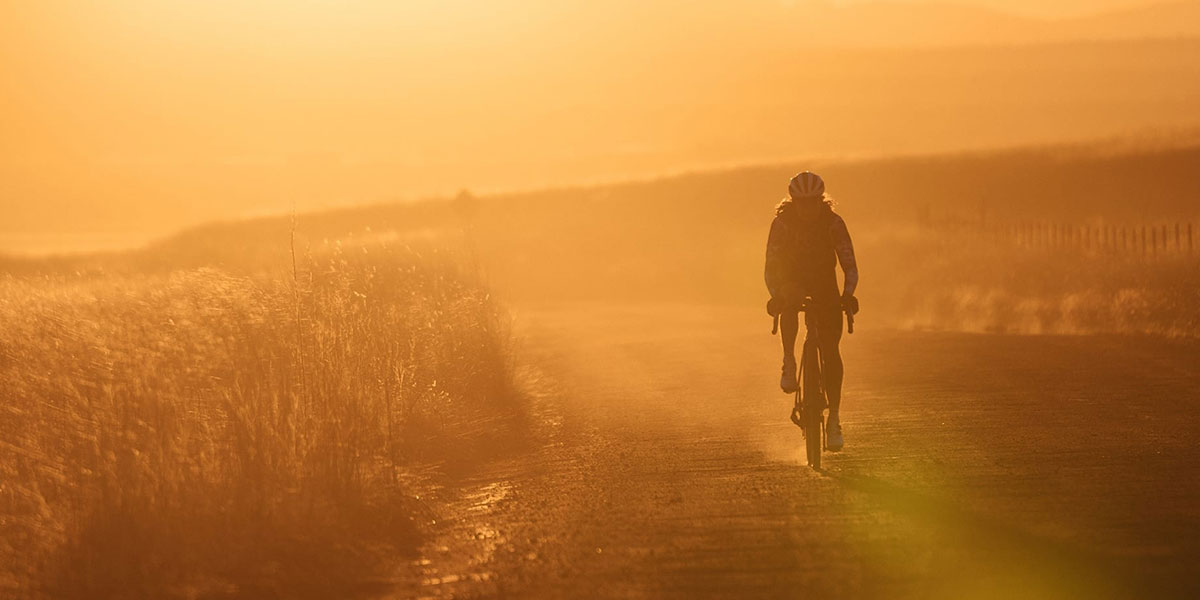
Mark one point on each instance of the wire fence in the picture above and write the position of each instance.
(1145, 240)
(1163, 239)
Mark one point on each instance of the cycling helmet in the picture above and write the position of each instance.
(806, 185)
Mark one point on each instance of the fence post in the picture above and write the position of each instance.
(1178, 247)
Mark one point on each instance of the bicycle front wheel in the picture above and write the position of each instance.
(813, 404)
(812, 436)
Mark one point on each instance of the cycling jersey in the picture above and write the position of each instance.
(806, 243)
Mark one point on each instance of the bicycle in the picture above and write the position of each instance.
(808, 411)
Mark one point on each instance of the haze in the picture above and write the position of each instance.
(138, 117)
(1052, 9)
(567, 380)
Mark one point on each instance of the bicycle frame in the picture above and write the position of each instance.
(810, 396)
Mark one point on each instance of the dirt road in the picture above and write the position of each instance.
(976, 466)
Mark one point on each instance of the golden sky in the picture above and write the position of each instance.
(144, 79)
(132, 104)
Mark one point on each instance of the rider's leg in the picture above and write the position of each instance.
(789, 324)
(828, 326)
(830, 331)
(789, 328)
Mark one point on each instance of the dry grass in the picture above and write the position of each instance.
(200, 434)
(969, 281)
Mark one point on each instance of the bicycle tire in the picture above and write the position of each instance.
(813, 403)
(812, 439)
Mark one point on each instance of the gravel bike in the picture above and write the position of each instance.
(808, 411)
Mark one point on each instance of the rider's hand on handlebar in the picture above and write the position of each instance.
(784, 301)
(774, 307)
(850, 305)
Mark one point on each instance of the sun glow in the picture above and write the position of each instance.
(157, 114)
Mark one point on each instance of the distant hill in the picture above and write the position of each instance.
(1171, 20)
(700, 236)
(935, 24)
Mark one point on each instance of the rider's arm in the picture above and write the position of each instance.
(773, 273)
(845, 254)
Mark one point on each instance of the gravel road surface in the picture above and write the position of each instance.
(976, 466)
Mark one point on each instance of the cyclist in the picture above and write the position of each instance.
(806, 242)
